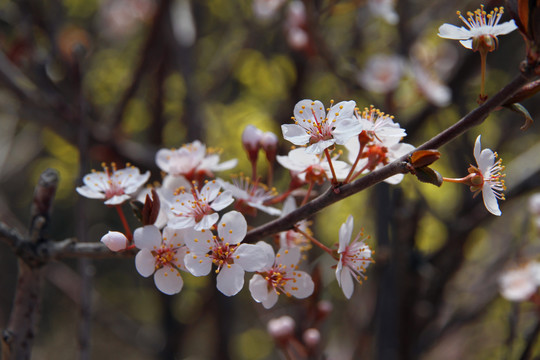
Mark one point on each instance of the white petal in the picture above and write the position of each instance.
(145, 263)
(232, 227)
(162, 159)
(88, 192)
(168, 280)
(197, 265)
(295, 134)
(347, 283)
(181, 222)
(199, 242)
(288, 257)
(302, 287)
(466, 43)
(226, 165)
(268, 251)
(206, 222)
(271, 300)
(230, 280)
(490, 200)
(251, 257)
(174, 237)
(319, 146)
(477, 148)
(117, 200)
(147, 237)
(346, 130)
(486, 161)
(345, 233)
(504, 28)
(449, 31)
(258, 287)
(222, 201)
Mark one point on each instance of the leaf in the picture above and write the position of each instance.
(428, 175)
(423, 158)
(520, 109)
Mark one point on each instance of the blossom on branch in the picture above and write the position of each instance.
(192, 161)
(194, 208)
(250, 195)
(225, 251)
(280, 275)
(161, 255)
(487, 177)
(113, 185)
(312, 167)
(354, 258)
(482, 29)
(318, 130)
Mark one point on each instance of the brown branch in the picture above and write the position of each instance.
(475, 117)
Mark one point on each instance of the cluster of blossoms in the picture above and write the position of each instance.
(182, 229)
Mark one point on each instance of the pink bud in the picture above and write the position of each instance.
(311, 337)
(115, 240)
(281, 328)
(251, 138)
(269, 142)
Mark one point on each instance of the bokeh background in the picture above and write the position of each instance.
(89, 81)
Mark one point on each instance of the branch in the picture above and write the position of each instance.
(475, 117)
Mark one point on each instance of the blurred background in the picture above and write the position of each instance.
(89, 81)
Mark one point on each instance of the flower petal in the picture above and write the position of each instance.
(230, 279)
(168, 280)
(295, 134)
(449, 31)
(251, 257)
(345, 233)
(147, 237)
(347, 283)
(232, 227)
(490, 200)
(258, 287)
(197, 265)
(145, 263)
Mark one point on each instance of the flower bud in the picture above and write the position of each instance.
(251, 138)
(281, 328)
(269, 142)
(115, 241)
(311, 337)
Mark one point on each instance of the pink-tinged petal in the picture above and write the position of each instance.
(466, 44)
(147, 237)
(232, 227)
(504, 28)
(490, 200)
(345, 233)
(271, 300)
(168, 280)
(88, 192)
(197, 265)
(319, 146)
(288, 257)
(347, 283)
(258, 287)
(174, 237)
(206, 222)
(301, 286)
(115, 240)
(250, 257)
(181, 222)
(145, 263)
(199, 242)
(222, 201)
(117, 200)
(230, 279)
(339, 270)
(295, 134)
(449, 31)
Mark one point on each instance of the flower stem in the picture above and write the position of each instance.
(355, 163)
(329, 158)
(120, 212)
(306, 198)
(317, 242)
